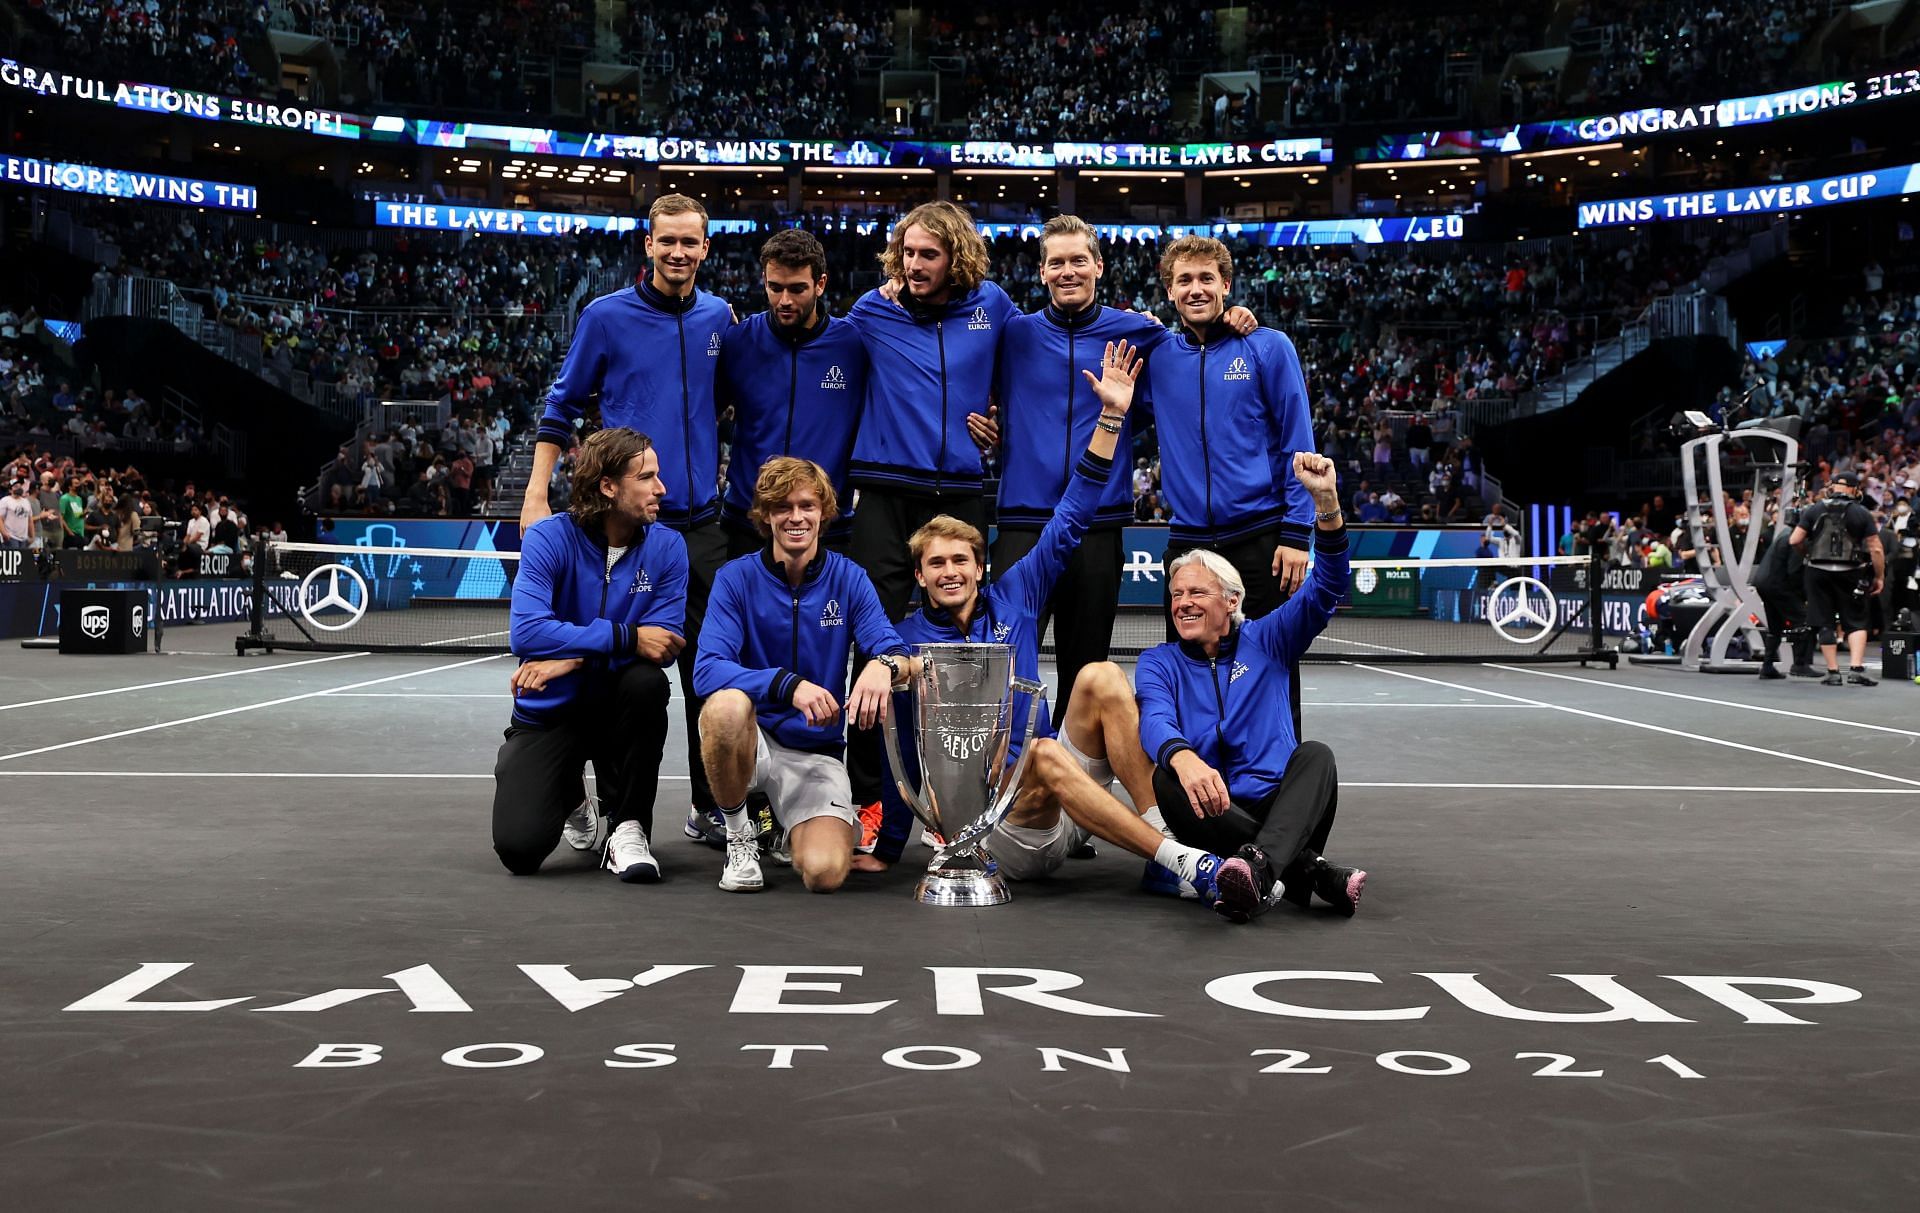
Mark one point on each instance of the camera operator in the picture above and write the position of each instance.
(1846, 566)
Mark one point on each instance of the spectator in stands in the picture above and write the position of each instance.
(198, 533)
(16, 518)
(1419, 438)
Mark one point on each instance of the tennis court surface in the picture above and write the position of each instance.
(1634, 939)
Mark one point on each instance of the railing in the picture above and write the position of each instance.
(159, 299)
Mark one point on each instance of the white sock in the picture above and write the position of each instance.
(1151, 815)
(736, 818)
(1183, 860)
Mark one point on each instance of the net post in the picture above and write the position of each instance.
(1596, 582)
(257, 617)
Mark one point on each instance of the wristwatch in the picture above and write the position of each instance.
(893, 667)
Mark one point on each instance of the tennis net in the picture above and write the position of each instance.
(352, 597)
(1541, 608)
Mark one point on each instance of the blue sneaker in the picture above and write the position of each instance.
(1158, 878)
(709, 828)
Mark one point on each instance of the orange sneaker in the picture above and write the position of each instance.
(870, 815)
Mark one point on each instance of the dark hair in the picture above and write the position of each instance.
(605, 453)
(795, 249)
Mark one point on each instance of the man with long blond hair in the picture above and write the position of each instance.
(931, 361)
(650, 353)
(783, 623)
(599, 608)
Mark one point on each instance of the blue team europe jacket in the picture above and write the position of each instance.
(1009, 608)
(763, 636)
(1047, 411)
(927, 369)
(568, 603)
(795, 395)
(1230, 412)
(1233, 709)
(652, 359)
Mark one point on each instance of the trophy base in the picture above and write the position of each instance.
(963, 882)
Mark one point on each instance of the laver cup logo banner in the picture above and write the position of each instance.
(1039, 1020)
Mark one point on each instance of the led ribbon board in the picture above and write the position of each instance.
(180, 102)
(123, 183)
(1646, 122)
(1754, 199)
(508, 222)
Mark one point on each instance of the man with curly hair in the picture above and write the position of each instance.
(932, 358)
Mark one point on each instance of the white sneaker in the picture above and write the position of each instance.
(586, 827)
(742, 874)
(629, 857)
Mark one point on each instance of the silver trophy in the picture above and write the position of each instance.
(963, 723)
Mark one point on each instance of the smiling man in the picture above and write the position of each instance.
(598, 609)
(783, 625)
(1230, 412)
(1046, 416)
(797, 380)
(650, 353)
(1231, 774)
(1063, 794)
(932, 358)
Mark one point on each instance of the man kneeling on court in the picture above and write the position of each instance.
(1231, 776)
(779, 631)
(1099, 738)
(599, 607)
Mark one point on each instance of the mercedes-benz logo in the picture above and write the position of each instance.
(1533, 603)
(355, 605)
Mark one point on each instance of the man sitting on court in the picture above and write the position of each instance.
(598, 609)
(1214, 714)
(779, 631)
(1100, 736)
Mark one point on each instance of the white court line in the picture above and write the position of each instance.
(1654, 728)
(245, 707)
(419, 694)
(1524, 787)
(1310, 703)
(174, 682)
(1725, 703)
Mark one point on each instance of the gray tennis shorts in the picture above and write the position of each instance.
(1024, 853)
(801, 786)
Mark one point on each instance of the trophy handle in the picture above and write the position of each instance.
(890, 731)
(1036, 693)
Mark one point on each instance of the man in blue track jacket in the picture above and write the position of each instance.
(1063, 795)
(931, 359)
(651, 353)
(598, 608)
(1045, 417)
(783, 624)
(1230, 770)
(1230, 412)
(797, 380)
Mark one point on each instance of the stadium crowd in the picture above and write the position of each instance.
(415, 318)
(1668, 51)
(450, 53)
(155, 41)
(61, 501)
